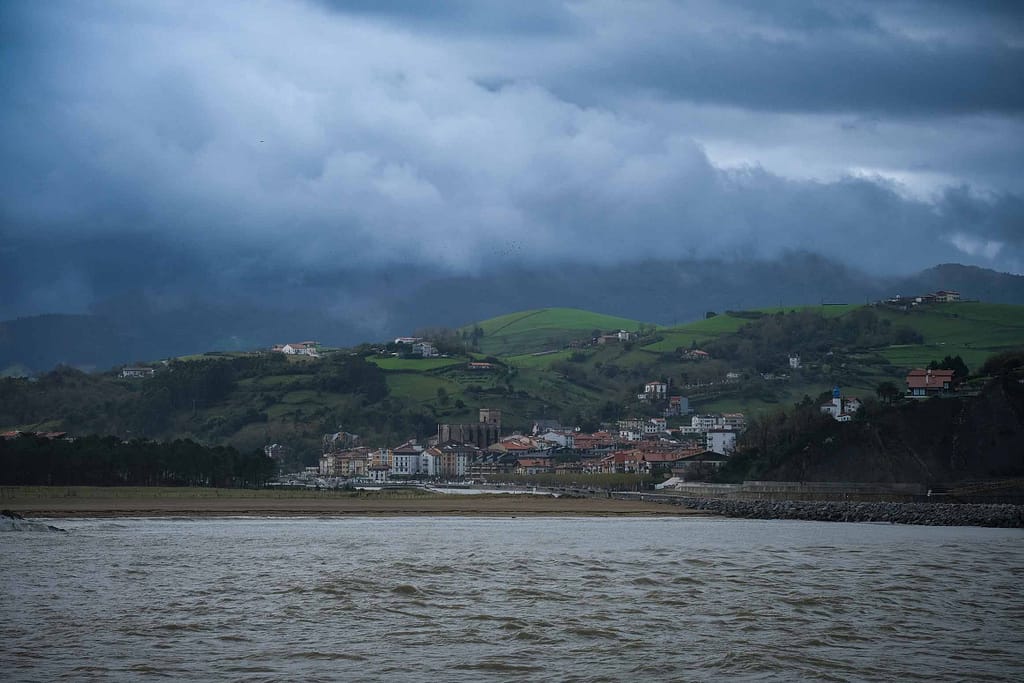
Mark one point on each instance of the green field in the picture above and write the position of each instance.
(288, 402)
(414, 364)
(544, 329)
(420, 387)
(532, 360)
(702, 331)
(973, 331)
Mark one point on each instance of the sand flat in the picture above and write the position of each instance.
(139, 502)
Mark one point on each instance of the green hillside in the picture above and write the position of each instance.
(700, 332)
(544, 329)
(247, 400)
(974, 331)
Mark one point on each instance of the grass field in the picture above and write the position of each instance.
(420, 387)
(543, 329)
(414, 364)
(974, 331)
(703, 331)
(535, 361)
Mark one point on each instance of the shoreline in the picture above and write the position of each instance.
(156, 502)
(65, 502)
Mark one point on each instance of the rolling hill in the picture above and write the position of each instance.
(355, 305)
(248, 399)
(544, 329)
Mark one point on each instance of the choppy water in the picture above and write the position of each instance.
(466, 599)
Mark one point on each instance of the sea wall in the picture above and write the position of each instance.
(931, 514)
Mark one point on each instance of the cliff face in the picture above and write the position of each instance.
(935, 440)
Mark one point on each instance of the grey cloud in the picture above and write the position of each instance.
(225, 148)
(467, 16)
(812, 66)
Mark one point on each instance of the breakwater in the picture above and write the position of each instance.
(930, 514)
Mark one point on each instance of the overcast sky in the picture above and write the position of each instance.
(314, 137)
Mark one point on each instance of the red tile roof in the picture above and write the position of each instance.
(929, 379)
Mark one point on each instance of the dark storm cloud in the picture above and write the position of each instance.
(816, 57)
(241, 143)
(826, 73)
(466, 16)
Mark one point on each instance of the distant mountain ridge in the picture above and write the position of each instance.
(663, 292)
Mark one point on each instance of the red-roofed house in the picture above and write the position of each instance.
(924, 383)
(533, 466)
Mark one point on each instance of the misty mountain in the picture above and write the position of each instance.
(669, 292)
(379, 305)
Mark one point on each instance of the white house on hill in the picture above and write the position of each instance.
(841, 409)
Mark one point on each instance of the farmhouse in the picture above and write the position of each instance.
(424, 349)
(924, 383)
(306, 348)
(140, 373)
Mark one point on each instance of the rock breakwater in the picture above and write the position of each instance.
(931, 514)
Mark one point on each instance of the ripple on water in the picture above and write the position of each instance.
(559, 599)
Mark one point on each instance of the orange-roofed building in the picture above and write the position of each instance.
(924, 383)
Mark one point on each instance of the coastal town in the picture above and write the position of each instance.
(692, 450)
(478, 450)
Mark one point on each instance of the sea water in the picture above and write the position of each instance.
(469, 599)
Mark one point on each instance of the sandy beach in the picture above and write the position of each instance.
(49, 502)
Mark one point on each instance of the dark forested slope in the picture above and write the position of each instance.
(935, 440)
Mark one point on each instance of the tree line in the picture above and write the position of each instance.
(766, 342)
(109, 461)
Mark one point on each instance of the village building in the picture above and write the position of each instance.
(519, 446)
(922, 383)
(616, 337)
(841, 409)
(452, 460)
(654, 391)
(306, 348)
(721, 441)
(704, 423)
(530, 466)
(733, 421)
(405, 459)
(137, 372)
(483, 433)
(425, 349)
(591, 444)
(558, 439)
(378, 473)
(488, 463)
(677, 406)
(275, 451)
(699, 465)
